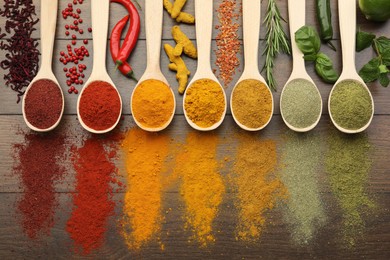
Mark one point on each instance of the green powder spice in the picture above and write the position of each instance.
(348, 164)
(301, 156)
(300, 103)
(350, 105)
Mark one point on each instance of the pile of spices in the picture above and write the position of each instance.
(93, 203)
(252, 104)
(301, 157)
(227, 41)
(152, 103)
(100, 105)
(300, 103)
(348, 165)
(119, 53)
(144, 155)
(202, 185)
(39, 166)
(258, 188)
(204, 103)
(179, 16)
(350, 105)
(22, 55)
(74, 74)
(43, 104)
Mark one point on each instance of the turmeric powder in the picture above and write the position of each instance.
(183, 44)
(144, 155)
(258, 189)
(202, 185)
(205, 102)
(177, 64)
(183, 17)
(152, 103)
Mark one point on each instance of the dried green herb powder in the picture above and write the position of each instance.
(348, 164)
(300, 104)
(350, 105)
(301, 156)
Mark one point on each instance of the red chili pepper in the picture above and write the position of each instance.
(125, 68)
(132, 34)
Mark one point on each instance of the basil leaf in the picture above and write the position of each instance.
(308, 40)
(363, 40)
(324, 68)
(386, 57)
(370, 72)
(310, 57)
(383, 69)
(384, 80)
(382, 44)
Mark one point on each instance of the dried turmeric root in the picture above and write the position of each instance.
(177, 6)
(177, 64)
(183, 44)
(182, 17)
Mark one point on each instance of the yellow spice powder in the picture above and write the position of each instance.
(202, 185)
(252, 103)
(258, 189)
(152, 103)
(144, 155)
(204, 103)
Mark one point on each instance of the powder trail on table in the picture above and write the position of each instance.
(301, 157)
(144, 155)
(348, 164)
(202, 186)
(93, 202)
(258, 188)
(38, 166)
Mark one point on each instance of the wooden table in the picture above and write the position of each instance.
(275, 242)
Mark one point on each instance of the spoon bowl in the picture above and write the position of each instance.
(153, 30)
(100, 15)
(251, 30)
(204, 21)
(48, 27)
(347, 17)
(297, 20)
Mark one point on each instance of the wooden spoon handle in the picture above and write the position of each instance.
(153, 30)
(100, 13)
(48, 29)
(296, 13)
(251, 30)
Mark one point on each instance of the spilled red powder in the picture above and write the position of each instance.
(39, 167)
(93, 202)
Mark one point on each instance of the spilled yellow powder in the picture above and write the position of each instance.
(144, 155)
(202, 185)
(258, 188)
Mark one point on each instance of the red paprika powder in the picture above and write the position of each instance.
(43, 103)
(38, 166)
(93, 203)
(99, 105)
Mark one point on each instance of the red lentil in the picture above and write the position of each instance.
(228, 44)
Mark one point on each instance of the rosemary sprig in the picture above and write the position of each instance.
(275, 41)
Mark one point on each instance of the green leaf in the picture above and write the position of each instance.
(384, 80)
(383, 69)
(386, 57)
(310, 57)
(308, 40)
(370, 72)
(382, 45)
(363, 40)
(324, 68)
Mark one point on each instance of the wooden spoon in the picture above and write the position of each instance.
(100, 14)
(204, 22)
(48, 29)
(153, 30)
(347, 18)
(296, 12)
(251, 30)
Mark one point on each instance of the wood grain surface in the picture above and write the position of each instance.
(275, 243)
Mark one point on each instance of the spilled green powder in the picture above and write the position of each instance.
(300, 104)
(350, 105)
(301, 157)
(348, 164)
